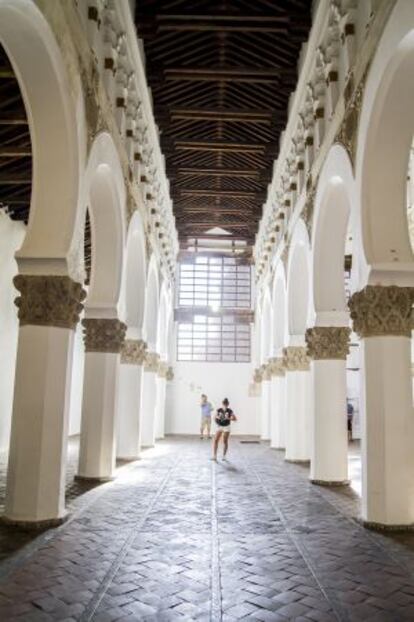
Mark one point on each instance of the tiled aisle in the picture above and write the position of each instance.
(177, 537)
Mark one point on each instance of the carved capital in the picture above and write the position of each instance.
(327, 342)
(151, 361)
(265, 372)
(103, 335)
(133, 352)
(257, 375)
(379, 310)
(48, 300)
(170, 374)
(162, 369)
(277, 366)
(296, 358)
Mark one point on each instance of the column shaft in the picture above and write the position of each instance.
(278, 423)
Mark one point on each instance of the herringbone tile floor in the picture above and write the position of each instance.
(177, 537)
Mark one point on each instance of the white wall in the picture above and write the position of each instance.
(11, 237)
(217, 380)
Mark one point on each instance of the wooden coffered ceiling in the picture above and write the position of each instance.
(221, 73)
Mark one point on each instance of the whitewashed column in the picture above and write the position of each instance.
(382, 319)
(298, 404)
(104, 339)
(278, 403)
(160, 401)
(49, 308)
(328, 347)
(149, 399)
(265, 402)
(130, 382)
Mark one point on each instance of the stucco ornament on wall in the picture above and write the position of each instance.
(133, 352)
(103, 335)
(382, 310)
(48, 300)
(277, 366)
(328, 342)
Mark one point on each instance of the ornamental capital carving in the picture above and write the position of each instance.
(380, 310)
(170, 374)
(277, 366)
(151, 362)
(162, 369)
(133, 352)
(296, 358)
(266, 372)
(103, 335)
(48, 300)
(257, 375)
(327, 342)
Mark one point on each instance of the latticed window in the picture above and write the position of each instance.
(213, 313)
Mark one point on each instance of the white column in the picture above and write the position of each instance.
(160, 407)
(382, 318)
(328, 347)
(265, 404)
(129, 399)
(298, 404)
(278, 405)
(149, 400)
(49, 308)
(103, 343)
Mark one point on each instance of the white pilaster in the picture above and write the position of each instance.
(278, 422)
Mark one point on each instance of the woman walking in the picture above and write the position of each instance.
(223, 419)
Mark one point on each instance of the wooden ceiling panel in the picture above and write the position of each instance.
(221, 73)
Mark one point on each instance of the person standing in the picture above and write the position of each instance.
(224, 418)
(350, 417)
(206, 410)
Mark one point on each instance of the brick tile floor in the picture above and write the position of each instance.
(178, 537)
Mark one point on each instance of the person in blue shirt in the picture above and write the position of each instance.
(206, 410)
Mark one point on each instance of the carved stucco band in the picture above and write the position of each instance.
(48, 300)
(133, 352)
(382, 310)
(296, 358)
(327, 342)
(151, 362)
(170, 374)
(277, 366)
(103, 335)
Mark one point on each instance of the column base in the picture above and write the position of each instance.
(292, 461)
(279, 448)
(36, 525)
(93, 480)
(148, 446)
(373, 526)
(128, 458)
(330, 483)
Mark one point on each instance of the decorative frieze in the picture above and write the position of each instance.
(170, 374)
(103, 335)
(380, 310)
(328, 342)
(277, 366)
(296, 358)
(151, 362)
(133, 352)
(48, 300)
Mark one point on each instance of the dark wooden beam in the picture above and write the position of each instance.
(218, 172)
(15, 179)
(12, 119)
(211, 145)
(15, 152)
(6, 72)
(224, 74)
(233, 194)
(220, 114)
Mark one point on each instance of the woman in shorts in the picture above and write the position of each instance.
(224, 418)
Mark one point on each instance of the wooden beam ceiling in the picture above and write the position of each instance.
(221, 74)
